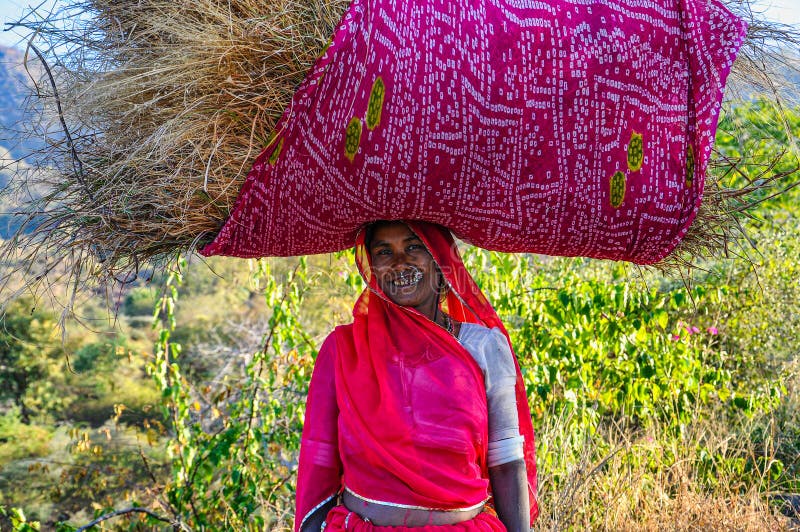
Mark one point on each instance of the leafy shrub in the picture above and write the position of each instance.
(31, 360)
(140, 301)
(605, 348)
(99, 356)
(19, 440)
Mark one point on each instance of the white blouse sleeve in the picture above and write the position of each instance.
(493, 355)
(505, 442)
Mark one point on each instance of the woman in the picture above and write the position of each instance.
(415, 414)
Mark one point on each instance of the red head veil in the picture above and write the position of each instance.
(378, 416)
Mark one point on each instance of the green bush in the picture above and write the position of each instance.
(606, 348)
(140, 301)
(31, 360)
(21, 441)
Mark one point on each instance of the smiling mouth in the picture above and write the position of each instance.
(407, 278)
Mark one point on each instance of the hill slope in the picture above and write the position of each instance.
(13, 93)
(15, 143)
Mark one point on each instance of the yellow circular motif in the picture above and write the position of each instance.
(273, 158)
(376, 99)
(635, 152)
(353, 138)
(617, 186)
(689, 166)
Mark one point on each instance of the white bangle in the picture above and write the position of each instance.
(505, 450)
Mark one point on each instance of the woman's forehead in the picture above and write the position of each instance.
(392, 232)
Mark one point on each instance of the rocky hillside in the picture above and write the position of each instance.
(15, 144)
(13, 93)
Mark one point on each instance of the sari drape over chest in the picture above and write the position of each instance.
(410, 409)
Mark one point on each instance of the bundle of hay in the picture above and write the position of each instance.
(157, 108)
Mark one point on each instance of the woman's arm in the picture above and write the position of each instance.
(320, 466)
(507, 470)
(510, 492)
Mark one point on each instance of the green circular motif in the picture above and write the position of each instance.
(635, 152)
(273, 158)
(689, 166)
(376, 100)
(272, 136)
(325, 50)
(352, 138)
(617, 185)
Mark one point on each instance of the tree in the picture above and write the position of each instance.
(28, 356)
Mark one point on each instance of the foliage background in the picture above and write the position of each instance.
(658, 403)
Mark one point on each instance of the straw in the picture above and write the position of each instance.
(156, 108)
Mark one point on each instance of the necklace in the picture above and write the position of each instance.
(448, 324)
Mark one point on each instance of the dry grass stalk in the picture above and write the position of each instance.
(717, 229)
(165, 105)
(624, 479)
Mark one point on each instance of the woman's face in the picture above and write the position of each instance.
(404, 269)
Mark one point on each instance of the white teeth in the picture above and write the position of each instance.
(408, 278)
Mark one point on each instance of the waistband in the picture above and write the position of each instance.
(340, 519)
(412, 507)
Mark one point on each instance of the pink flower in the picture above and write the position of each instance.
(695, 330)
(676, 337)
(712, 331)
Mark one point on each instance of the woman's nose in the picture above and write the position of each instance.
(399, 258)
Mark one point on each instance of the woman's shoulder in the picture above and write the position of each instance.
(477, 334)
(339, 330)
(489, 347)
(338, 334)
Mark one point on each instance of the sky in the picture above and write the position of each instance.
(10, 10)
(786, 11)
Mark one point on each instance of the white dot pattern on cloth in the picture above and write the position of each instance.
(565, 127)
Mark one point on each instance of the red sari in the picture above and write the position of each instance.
(397, 406)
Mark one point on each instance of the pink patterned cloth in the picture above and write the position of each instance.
(342, 520)
(564, 127)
